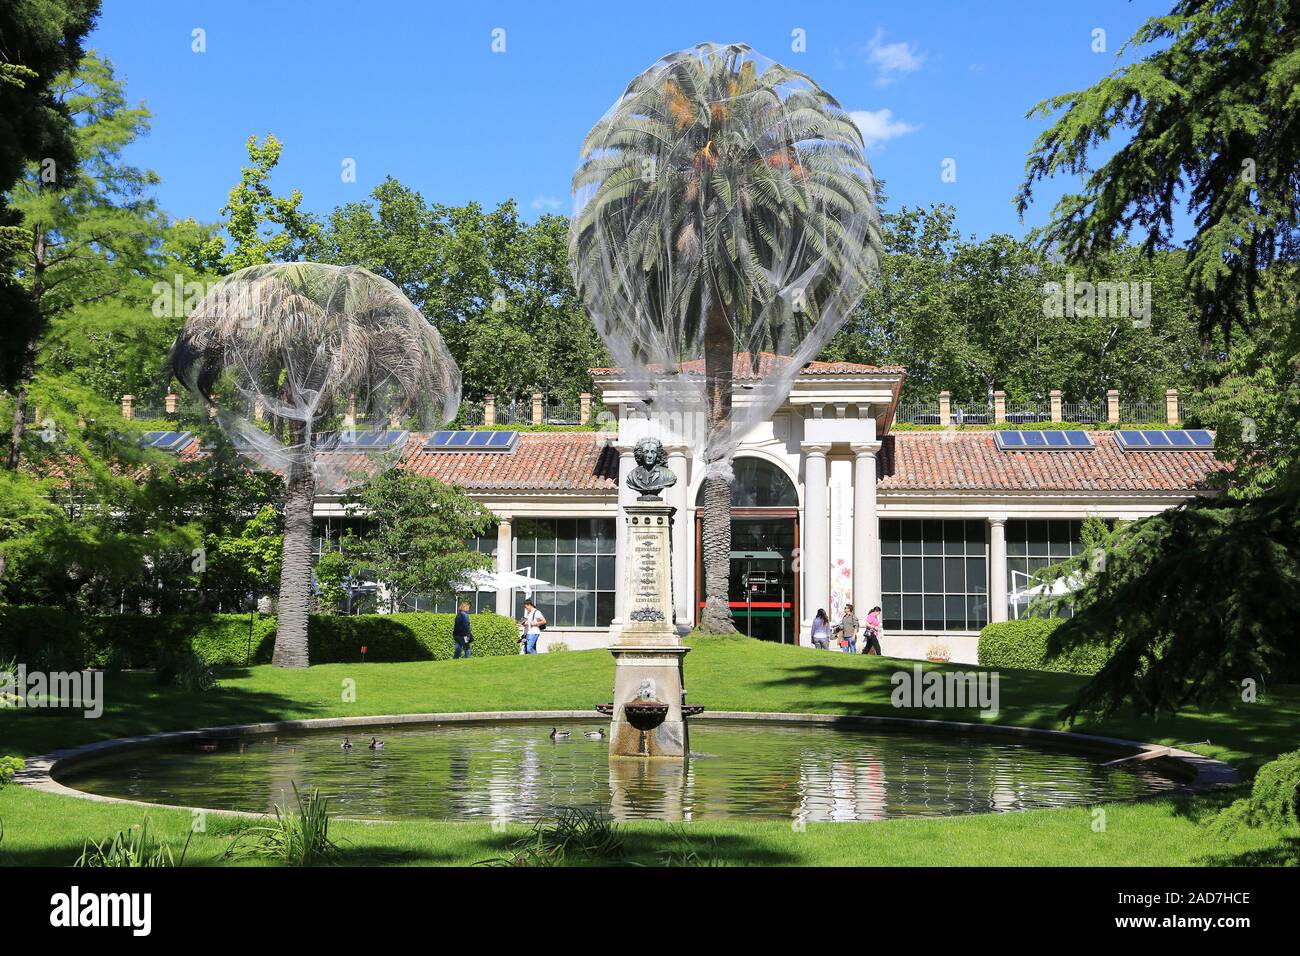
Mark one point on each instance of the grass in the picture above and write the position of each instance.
(722, 674)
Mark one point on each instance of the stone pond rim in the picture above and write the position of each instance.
(1198, 773)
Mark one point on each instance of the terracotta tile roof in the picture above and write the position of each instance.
(540, 461)
(960, 461)
(769, 362)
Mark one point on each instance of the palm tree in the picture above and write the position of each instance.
(300, 342)
(723, 209)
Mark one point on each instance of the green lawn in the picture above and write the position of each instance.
(732, 674)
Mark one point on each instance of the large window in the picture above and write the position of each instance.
(758, 484)
(1032, 545)
(933, 575)
(576, 557)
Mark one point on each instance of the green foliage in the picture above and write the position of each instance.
(972, 317)
(331, 572)
(1197, 596)
(264, 227)
(1206, 118)
(1024, 645)
(415, 533)
(139, 641)
(183, 668)
(8, 767)
(136, 847)
(1274, 801)
(497, 288)
(298, 838)
(577, 836)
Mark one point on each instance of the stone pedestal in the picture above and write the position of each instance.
(648, 653)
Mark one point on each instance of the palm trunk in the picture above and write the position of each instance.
(295, 569)
(719, 344)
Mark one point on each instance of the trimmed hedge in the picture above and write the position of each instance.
(58, 640)
(1023, 644)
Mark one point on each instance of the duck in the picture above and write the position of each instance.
(347, 744)
(559, 734)
(594, 734)
(207, 746)
(376, 743)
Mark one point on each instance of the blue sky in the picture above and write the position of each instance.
(414, 89)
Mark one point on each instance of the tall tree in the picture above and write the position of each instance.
(262, 226)
(310, 343)
(39, 40)
(415, 534)
(724, 209)
(1213, 107)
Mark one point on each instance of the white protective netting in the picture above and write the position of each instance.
(308, 364)
(725, 226)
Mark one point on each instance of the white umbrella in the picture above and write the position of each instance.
(505, 581)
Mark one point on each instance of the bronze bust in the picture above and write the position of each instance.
(652, 474)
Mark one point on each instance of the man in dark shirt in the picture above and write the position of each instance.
(461, 634)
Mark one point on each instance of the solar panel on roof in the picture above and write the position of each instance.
(1042, 440)
(471, 441)
(360, 440)
(1160, 439)
(166, 441)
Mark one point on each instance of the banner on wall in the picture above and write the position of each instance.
(841, 501)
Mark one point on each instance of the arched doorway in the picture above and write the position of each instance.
(763, 586)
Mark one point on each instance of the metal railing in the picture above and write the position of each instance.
(1142, 413)
(1084, 413)
(1028, 413)
(918, 413)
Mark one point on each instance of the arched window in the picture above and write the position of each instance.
(758, 484)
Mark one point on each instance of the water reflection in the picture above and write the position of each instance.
(514, 771)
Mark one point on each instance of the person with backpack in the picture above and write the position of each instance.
(462, 635)
(534, 622)
(871, 636)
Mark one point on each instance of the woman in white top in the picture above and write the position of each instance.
(821, 630)
(533, 623)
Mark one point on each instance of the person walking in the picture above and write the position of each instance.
(848, 628)
(462, 635)
(821, 630)
(534, 621)
(871, 635)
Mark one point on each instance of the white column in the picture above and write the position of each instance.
(505, 564)
(678, 461)
(866, 529)
(816, 545)
(998, 568)
(625, 494)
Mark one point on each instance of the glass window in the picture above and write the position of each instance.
(758, 484)
(933, 575)
(1032, 546)
(575, 557)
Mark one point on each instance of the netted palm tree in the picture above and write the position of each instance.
(723, 209)
(289, 354)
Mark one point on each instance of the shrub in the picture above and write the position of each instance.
(181, 667)
(293, 839)
(1023, 644)
(136, 847)
(51, 635)
(1274, 801)
(8, 767)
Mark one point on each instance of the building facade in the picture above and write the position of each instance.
(942, 528)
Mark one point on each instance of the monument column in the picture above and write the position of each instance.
(505, 564)
(678, 458)
(815, 534)
(998, 568)
(866, 529)
(625, 495)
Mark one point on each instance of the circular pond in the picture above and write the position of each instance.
(514, 770)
